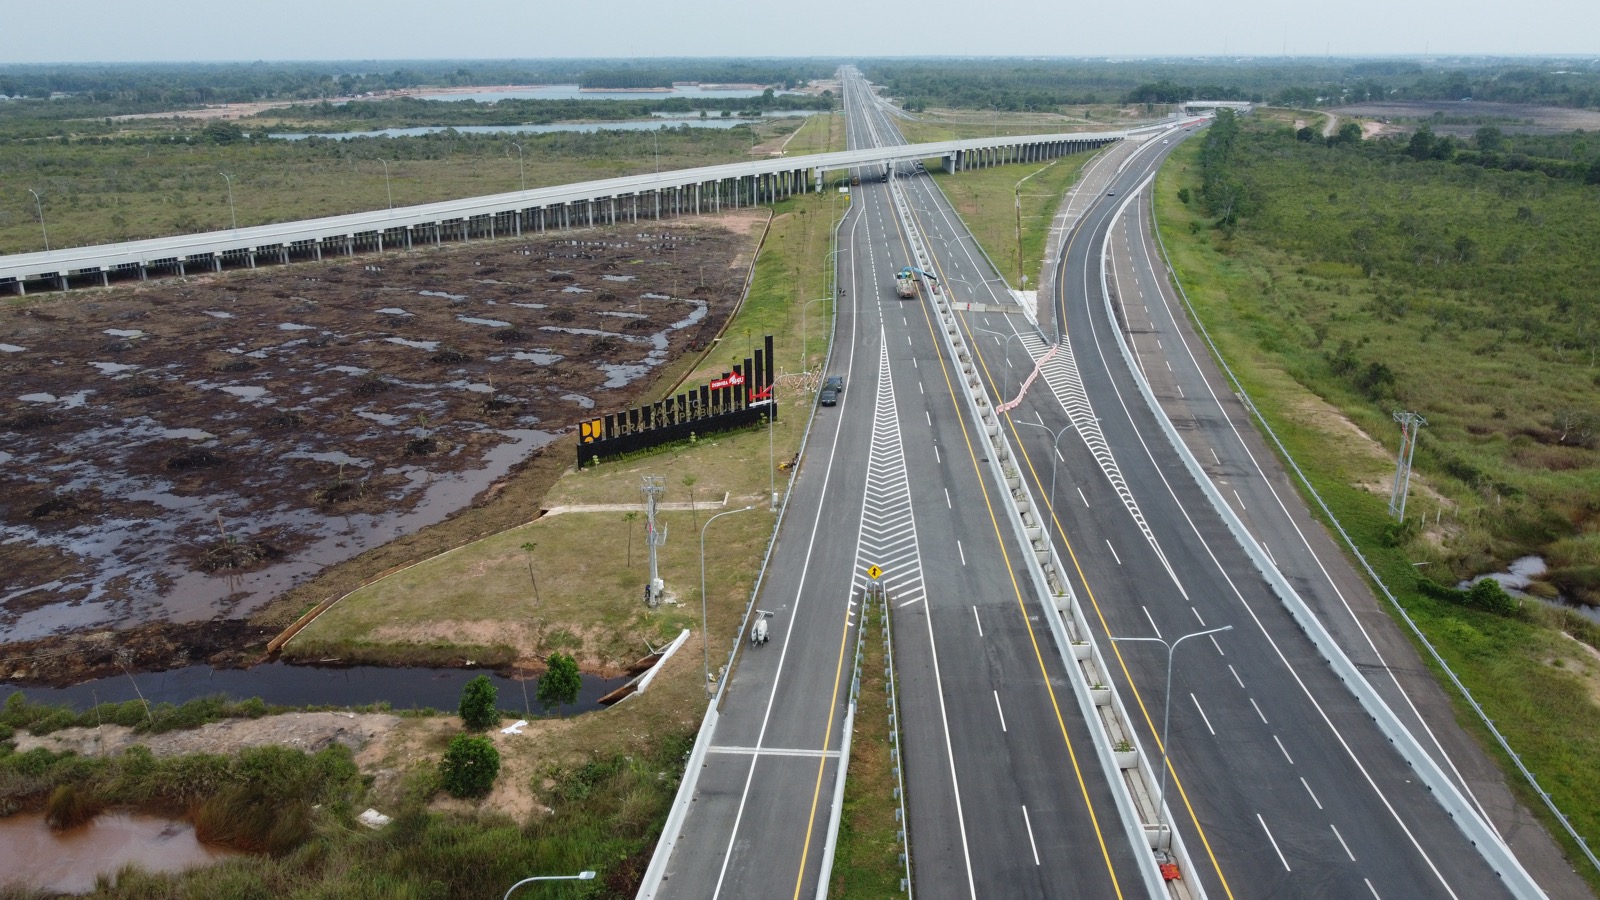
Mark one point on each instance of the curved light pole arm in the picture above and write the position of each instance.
(586, 875)
(705, 632)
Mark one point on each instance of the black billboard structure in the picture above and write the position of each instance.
(738, 398)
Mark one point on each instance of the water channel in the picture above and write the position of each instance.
(659, 120)
(282, 684)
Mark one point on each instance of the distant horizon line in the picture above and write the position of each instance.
(1591, 57)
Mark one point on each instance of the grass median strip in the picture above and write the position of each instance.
(1005, 203)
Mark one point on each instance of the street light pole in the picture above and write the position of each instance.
(386, 186)
(804, 334)
(586, 875)
(1166, 714)
(1055, 456)
(233, 216)
(1005, 394)
(40, 204)
(521, 174)
(705, 634)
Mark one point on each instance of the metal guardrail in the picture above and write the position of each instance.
(981, 412)
(1483, 838)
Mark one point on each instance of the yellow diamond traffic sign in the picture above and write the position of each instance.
(874, 572)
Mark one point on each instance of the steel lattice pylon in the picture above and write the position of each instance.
(1410, 424)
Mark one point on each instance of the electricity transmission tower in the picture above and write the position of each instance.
(653, 487)
(1410, 424)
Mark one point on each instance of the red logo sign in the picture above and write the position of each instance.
(731, 381)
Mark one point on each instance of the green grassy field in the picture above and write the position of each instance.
(1279, 308)
(821, 133)
(866, 863)
(160, 183)
(989, 199)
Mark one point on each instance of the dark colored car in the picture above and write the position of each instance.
(831, 389)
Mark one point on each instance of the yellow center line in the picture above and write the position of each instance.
(1104, 626)
(822, 763)
(1016, 589)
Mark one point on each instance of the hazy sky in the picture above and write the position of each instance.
(163, 30)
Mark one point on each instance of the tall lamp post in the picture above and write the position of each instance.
(705, 633)
(232, 216)
(521, 173)
(1055, 456)
(586, 875)
(804, 334)
(1005, 394)
(40, 204)
(1166, 714)
(387, 189)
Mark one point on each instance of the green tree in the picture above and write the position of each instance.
(1490, 138)
(470, 766)
(559, 684)
(1305, 134)
(477, 704)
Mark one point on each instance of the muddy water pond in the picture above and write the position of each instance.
(68, 862)
(1520, 574)
(282, 684)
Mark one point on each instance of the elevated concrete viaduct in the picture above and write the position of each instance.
(610, 201)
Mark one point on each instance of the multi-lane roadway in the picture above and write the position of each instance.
(1279, 782)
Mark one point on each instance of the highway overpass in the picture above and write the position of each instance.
(609, 201)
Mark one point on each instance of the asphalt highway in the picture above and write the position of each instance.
(1279, 781)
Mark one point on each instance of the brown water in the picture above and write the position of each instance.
(68, 862)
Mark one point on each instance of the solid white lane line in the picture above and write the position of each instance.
(1312, 793)
(1283, 750)
(978, 620)
(1151, 619)
(1202, 713)
(1274, 843)
(1235, 675)
(1341, 842)
(1029, 823)
(1000, 711)
(1259, 712)
(962, 552)
(1113, 552)
(1085, 499)
(947, 503)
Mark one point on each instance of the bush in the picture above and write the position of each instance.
(560, 683)
(470, 766)
(477, 704)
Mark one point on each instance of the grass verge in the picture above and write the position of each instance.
(989, 201)
(866, 861)
(1541, 688)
